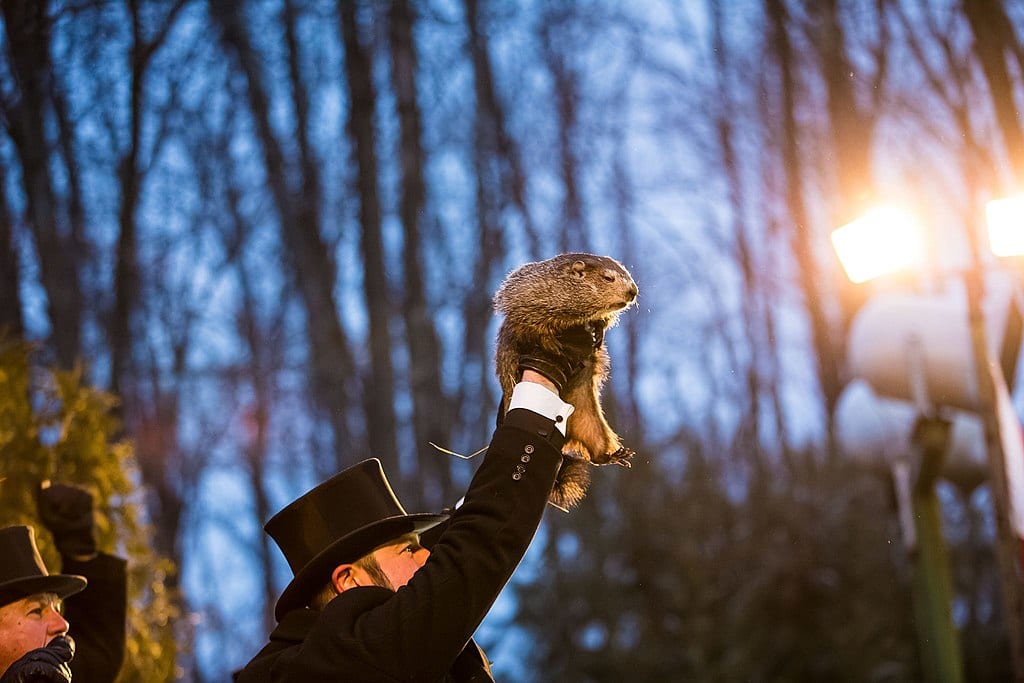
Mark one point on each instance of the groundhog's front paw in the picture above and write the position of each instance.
(621, 457)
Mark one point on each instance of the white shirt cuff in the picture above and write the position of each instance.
(541, 400)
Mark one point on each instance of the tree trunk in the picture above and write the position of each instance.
(66, 141)
(28, 39)
(11, 321)
(130, 176)
(260, 377)
(851, 128)
(491, 245)
(126, 276)
(801, 238)
(628, 406)
(557, 54)
(431, 408)
(747, 438)
(335, 382)
(380, 398)
(994, 41)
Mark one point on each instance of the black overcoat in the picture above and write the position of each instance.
(422, 633)
(98, 618)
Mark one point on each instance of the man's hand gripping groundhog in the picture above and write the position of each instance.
(556, 313)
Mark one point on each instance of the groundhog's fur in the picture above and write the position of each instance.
(541, 300)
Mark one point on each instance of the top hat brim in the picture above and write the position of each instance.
(348, 548)
(62, 585)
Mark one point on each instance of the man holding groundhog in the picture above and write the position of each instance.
(368, 602)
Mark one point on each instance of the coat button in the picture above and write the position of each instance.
(525, 458)
(528, 448)
(517, 476)
(520, 469)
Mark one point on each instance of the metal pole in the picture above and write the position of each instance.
(1006, 542)
(932, 584)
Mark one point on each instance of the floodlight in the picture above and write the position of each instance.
(881, 241)
(1005, 219)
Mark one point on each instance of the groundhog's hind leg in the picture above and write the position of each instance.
(571, 483)
(588, 432)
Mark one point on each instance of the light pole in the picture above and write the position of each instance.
(1005, 221)
(886, 240)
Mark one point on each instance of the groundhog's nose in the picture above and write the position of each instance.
(631, 292)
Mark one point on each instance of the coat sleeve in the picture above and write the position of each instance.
(416, 633)
(97, 617)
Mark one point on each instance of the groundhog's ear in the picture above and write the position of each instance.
(579, 267)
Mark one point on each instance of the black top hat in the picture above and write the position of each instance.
(336, 522)
(22, 572)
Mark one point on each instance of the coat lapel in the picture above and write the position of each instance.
(471, 666)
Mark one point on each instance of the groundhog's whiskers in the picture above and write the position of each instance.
(457, 455)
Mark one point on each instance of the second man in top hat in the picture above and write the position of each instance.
(34, 642)
(34, 621)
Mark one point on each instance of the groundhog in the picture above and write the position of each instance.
(539, 301)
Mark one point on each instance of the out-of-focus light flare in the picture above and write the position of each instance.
(881, 241)
(1005, 218)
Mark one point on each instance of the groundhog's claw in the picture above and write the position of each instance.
(621, 457)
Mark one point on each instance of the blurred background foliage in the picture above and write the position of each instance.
(54, 427)
(271, 230)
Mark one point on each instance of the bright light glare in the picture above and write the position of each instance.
(881, 241)
(1006, 226)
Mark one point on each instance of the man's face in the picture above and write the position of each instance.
(400, 560)
(28, 624)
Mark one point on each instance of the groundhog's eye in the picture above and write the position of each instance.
(609, 277)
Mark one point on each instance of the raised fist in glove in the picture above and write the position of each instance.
(48, 664)
(576, 345)
(67, 512)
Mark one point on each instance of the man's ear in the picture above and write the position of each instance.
(345, 576)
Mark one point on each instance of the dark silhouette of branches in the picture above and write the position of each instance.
(25, 112)
(379, 403)
(432, 410)
(333, 373)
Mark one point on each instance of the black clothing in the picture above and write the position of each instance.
(470, 666)
(48, 664)
(98, 617)
(422, 633)
(22, 571)
(67, 511)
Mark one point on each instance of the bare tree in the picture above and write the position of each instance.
(131, 175)
(827, 351)
(333, 373)
(558, 28)
(264, 348)
(626, 409)
(747, 441)
(489, 139)
(10, 272)
(380, 399)
(432, 410)
(1001, 55)
(25, 113)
